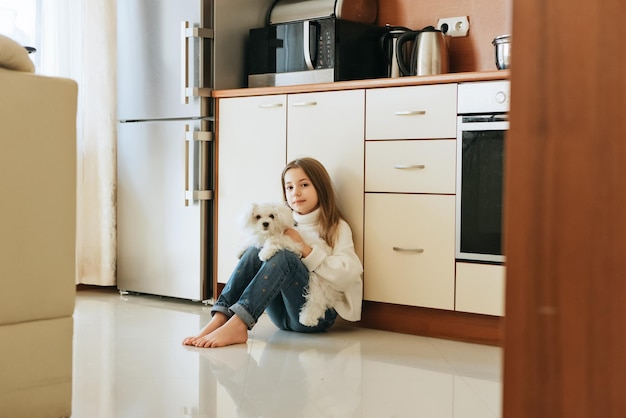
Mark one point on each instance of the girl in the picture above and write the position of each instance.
(278, 285)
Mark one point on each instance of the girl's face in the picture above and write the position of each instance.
(299, 190)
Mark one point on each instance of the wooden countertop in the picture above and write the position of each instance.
(366, 84)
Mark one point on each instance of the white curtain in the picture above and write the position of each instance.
(78, 41)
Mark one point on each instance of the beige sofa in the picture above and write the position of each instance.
(37, 243)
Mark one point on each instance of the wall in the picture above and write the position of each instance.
(488, 19)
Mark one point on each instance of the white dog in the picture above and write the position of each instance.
(266, 223)
(319, 297)
(320, 294)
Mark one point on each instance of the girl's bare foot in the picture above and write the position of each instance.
(234, 331)
(216, 321)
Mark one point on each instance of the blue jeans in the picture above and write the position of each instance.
(276, 286)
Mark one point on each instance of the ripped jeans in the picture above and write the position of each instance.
(277, 286)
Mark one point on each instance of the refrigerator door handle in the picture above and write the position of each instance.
(187, 32)
(202, 137)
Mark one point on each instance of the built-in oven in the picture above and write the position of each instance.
(481, 130)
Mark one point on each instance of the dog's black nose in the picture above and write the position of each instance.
(266, 224)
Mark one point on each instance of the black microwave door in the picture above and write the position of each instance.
(296, 38)
(262, 45)
(281, 48)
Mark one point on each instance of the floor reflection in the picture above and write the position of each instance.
(287, 374)
(129, 362)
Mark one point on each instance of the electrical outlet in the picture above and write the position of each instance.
(454, 26)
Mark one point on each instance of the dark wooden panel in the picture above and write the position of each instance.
(565, 217)
(483, 329)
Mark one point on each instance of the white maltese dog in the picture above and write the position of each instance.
(320, 295)
(266, 223)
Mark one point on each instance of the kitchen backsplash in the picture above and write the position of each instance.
(488, 19)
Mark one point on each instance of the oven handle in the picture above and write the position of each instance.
(485, 117)
(481, 126)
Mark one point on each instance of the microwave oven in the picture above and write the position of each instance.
(314, 51)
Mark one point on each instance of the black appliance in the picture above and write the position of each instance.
(314, 51)
(481, 129)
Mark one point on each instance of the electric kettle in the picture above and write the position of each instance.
(429, 54)
(389, 42)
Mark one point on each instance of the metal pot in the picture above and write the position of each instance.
(502, 46)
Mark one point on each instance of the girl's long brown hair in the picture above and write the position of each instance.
(330, 215)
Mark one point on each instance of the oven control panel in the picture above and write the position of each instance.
(484, 97)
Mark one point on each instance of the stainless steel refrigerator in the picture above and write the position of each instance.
(171, 54)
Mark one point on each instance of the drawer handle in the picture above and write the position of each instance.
(270, 105)
(410, 112)
(409, 166)
(409, 250)
(304, 104)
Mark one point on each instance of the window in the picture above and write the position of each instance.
(56, 28)
(19, 20)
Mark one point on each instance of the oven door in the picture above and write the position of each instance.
(480, 164)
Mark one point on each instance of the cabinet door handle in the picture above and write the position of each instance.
(408, 250)
(410, 112)
(270, 105)
(303, 104)
(409, 166)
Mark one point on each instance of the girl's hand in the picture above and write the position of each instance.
(297, 238)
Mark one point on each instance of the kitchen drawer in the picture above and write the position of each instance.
(480, 288)
(419, 166)
(409, 249)
(413, 112)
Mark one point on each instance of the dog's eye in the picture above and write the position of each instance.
(257, 217)
(272, 216)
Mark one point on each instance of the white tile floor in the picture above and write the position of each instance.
(129, 363)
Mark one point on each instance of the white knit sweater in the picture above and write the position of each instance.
(341, 268)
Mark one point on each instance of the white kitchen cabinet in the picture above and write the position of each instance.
(480, 288)
(391, 153)
(258, 135)
(251, 153)
(410, 156)
(329, 127)
(409, 249)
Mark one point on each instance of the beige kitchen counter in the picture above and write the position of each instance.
(366, 84)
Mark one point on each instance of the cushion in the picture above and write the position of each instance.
(14, 56)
